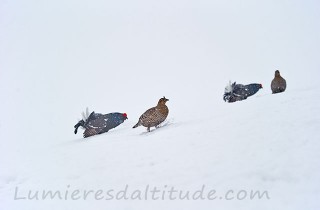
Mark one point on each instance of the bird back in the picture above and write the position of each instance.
(154, 116)
(99, 123)
(238, 92)
(278, 84)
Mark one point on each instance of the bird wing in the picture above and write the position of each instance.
(100, 122)
(96, 126)
(239, 91)
(89, 132)
(252, 89)
(149, 114)
(94, 116)
(152, 116)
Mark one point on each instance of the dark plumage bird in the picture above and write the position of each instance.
(237, 92)
(155, 115)
(97, 123)
(278, 84)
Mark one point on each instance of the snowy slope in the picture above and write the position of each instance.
(59, 57)
(237, 146)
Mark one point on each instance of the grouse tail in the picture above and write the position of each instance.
(80, 123)
(137, 125)
(229, 87)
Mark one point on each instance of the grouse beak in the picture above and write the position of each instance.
(261, 86)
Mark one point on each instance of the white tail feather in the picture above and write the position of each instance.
(228, 88)
(87, 112)
(85, 115)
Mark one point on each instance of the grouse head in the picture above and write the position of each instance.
(277, 73)
(162, 101)
(125, 116)
(258, 86)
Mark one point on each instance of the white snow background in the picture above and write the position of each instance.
(59, 57)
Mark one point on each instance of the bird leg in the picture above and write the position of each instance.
(148, 129)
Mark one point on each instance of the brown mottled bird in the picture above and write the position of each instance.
(155, 115)
(278, 84)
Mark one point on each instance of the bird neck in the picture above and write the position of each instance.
(161, 104)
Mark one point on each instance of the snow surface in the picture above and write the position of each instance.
(59, 57)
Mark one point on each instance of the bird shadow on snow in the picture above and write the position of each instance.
(263, 95)
(146, 133)
(160, 127)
